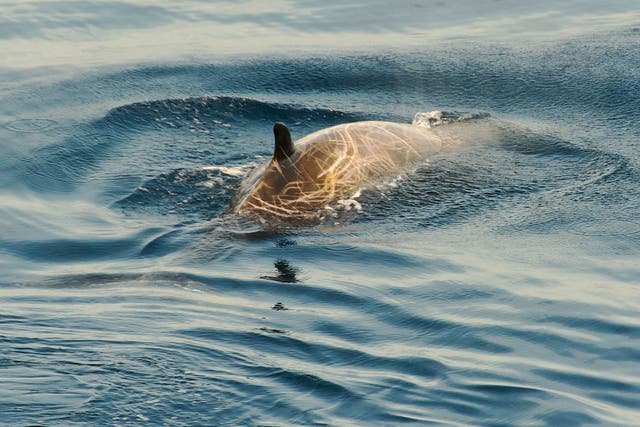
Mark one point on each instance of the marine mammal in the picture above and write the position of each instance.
(304, 177)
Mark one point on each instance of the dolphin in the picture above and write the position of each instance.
(306, 176)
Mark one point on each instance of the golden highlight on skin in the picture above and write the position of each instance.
(331, 164)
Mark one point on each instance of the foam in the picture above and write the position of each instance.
(428, 119)
(231, 171)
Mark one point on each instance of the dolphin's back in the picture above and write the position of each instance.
(331, 163)
(372, 148)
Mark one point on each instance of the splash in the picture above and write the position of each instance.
(431, 119)
(231, 171)
(428, 119)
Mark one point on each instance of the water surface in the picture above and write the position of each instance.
(494, 284)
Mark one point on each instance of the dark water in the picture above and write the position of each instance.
(495, 284)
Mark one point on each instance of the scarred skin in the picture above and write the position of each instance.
(301, 180)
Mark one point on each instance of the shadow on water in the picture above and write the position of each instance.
(286, 273)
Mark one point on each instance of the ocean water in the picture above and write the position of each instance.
(496, 283)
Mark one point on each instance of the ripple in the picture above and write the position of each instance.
(196, 193)
(31, 125)
(601, 227)
(597, 325)
(586, 381)
(339, 247)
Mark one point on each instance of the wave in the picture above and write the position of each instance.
(169, 144)
(208, 338)
(158, 135)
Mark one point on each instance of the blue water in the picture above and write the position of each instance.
(494, 284)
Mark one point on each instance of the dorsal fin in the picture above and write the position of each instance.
(284, 148)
